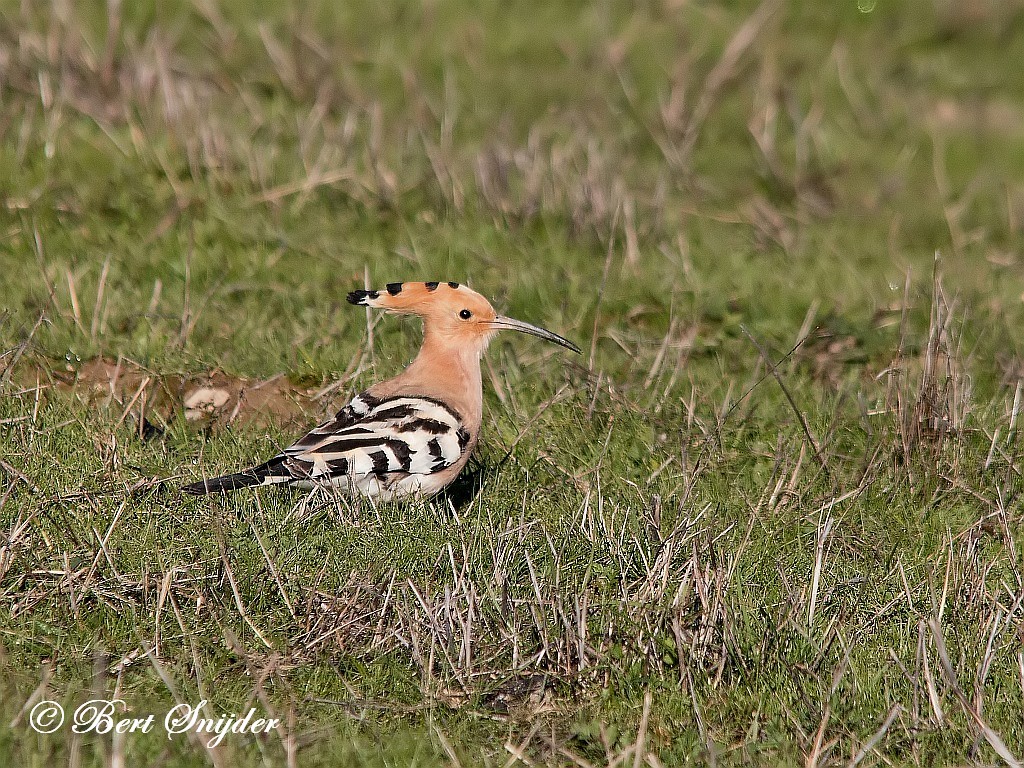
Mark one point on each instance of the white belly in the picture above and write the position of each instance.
(371, 486)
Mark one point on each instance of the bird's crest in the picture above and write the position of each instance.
(442, 305)
(410, 297)
(450, 311)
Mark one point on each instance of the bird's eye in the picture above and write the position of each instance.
(465, 314)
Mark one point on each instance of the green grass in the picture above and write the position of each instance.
(667, 551)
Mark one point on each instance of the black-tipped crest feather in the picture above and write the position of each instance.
(360, 296)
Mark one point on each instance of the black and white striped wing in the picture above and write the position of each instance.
(386, 447)
(379, 440)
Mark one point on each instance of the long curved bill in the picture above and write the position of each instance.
(508, 323)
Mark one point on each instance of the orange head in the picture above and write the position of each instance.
(451, 312)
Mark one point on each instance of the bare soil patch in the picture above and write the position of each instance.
(150, 397)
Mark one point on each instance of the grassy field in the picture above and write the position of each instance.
(772, 516)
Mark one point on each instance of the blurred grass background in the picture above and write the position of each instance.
(669, 550)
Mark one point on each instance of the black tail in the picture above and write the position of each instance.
(268, 473)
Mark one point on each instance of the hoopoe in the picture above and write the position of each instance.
(409, 435)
